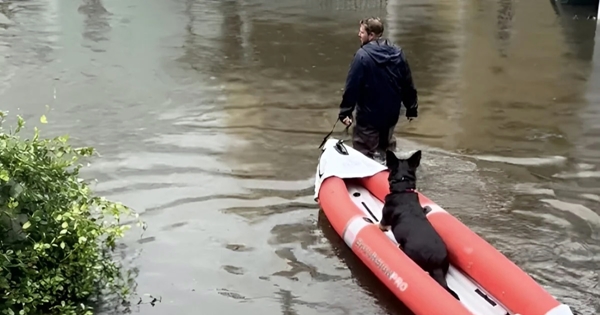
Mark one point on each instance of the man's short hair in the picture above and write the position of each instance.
(373, 25)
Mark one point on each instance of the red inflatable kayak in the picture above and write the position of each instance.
(350, 188)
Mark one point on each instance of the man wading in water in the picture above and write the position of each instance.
(378, 82)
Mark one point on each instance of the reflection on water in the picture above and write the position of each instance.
(96, 23)
(208, 115)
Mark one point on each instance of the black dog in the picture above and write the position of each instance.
(403, 214)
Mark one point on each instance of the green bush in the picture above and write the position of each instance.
(56, 237)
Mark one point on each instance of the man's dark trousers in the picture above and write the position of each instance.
(368, 140)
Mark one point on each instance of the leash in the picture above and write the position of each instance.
(331, 132)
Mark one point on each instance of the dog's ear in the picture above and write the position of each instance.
(391, 160)
(415, 160)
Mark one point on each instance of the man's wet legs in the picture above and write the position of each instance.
(372, 142)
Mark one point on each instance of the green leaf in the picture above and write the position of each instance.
(62, 245)
(26, 225)
(43, 119)
(65, 225)
(4, 175)
(20, 124)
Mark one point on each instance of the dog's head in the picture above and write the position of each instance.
(403, 173)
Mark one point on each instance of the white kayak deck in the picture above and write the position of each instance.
(472, 296)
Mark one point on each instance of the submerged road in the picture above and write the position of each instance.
(207, 115)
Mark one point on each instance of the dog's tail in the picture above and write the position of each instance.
(439, 276)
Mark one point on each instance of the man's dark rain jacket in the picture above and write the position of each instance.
(379, 80)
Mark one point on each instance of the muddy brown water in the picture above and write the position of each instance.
(208, 113)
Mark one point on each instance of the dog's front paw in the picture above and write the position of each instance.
(383, 227)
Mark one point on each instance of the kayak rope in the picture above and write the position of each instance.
(331, 132)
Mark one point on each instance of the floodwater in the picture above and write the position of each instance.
(208, 115)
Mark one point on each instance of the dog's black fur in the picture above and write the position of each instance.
(403, 214)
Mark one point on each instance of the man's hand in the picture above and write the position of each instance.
(383, 228)
(411, 114)
(347, 121)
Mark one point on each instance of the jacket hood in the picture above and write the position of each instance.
(382, 51)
